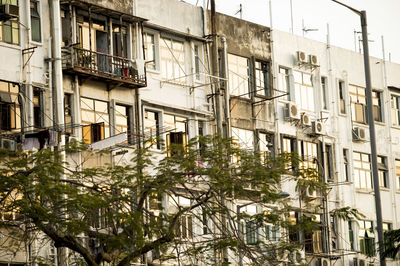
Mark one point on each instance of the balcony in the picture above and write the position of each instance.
(113, 70)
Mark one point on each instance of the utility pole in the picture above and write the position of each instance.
(371, 123)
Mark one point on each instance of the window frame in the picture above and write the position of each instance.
(38, 107)
(243, 92)
(383, 171)
(10, 91)
(302, 98)
(98, 119)
(368, 181)
(342, 97)
(365, 239)
(284, 83)
(264, 85)
(395, 110)
(180, 76)
(378, 109)
(36, 16)
(358, 99)
(156, 47)
(324, 93)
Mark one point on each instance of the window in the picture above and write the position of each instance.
(177, 136)
(342, 102)
(308, 153)
(377, 106)
(251, 232)
(272, 232)
(172, 60)
(362, 170)
(123, 120)
(120, 46)
(386, 228)
(263, 85)
(324, 93)
(238, 68)
(383, 172)
(35, 21)
(395, 103)
(184, 227)
(150, 50)
(10, 112)
(351, 235)
(68, 112)
(37, 108)
(197, 60)
(397, 166)
(289, 145)
(152, 129)
(329, 162)
(245, 138)
(346, 165)
(358, 103)
(284, 83)
(304, 91)
(367, 238)
(95, 113)
(9, 30)
(266, 144)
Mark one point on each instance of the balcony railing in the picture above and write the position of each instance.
(103, 66)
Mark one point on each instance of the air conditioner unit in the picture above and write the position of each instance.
(8, 144)
(311, 193)
(297, 257)
(301, 57)
(325, 262)
(8, 12)
(313, 59)
(317, 128)
(305, 120)
(292, 111)
(359, 134)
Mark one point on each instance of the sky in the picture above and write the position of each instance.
(382, 16)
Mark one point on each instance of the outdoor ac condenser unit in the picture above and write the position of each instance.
(292, 112)
(301, 57)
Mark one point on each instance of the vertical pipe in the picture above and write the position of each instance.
(371, 123)
(227, 95)
(291, 17)
(218, 111)
(58, 78)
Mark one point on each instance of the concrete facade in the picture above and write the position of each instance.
(132, 67)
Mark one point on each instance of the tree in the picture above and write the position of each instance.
(189, 206)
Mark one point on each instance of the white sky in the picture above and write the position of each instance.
(383, 20)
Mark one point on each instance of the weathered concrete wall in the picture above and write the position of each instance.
(244, 38)
(172, 14)
(125, 6)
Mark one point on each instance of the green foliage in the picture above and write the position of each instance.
(347, 213)
(105, 213)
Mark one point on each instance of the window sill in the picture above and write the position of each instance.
(9, 45)
(386, 189)
(153, 71)
(343, 115)
(379, 123)
(397, 127)
(368, 191)
(36, 43)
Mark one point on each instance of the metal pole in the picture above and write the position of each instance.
(238, 207)
(363, 16)
(291, 16)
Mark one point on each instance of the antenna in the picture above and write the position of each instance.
(240, 11)
(305, 30)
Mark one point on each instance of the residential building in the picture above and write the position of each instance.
(144, 73)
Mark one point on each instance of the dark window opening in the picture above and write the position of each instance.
(35, 21)
(93, 133)
(38, 108)
(341, 98)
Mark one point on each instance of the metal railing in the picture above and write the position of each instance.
(101, 64)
